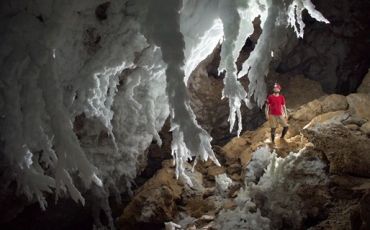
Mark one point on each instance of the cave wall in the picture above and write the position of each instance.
(335, 55)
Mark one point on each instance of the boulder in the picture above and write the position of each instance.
(154, 201)
(348, 187)
(365, 128)
(365, 85)
(334, 102)
(331, 103)
(365, 211)
(197, 207)
(308, 111)
(157, 200)
(352, 127)
(359, 104)
(360, 214)
(346, 152)
(328, 118)
(215, 170)
(354, 120)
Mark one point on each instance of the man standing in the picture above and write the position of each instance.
(276, 112)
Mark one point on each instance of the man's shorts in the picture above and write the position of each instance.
(275, 120)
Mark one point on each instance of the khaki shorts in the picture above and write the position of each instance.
(275, 120)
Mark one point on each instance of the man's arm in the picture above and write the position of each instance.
(284, 107)
(285, 112)
(267, 110)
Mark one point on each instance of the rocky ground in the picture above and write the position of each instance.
(331, 130)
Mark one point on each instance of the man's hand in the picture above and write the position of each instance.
(267, 116)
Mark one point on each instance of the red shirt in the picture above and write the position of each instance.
(275, 104)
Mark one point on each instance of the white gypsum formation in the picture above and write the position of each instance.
(272, 186)
(202, 30)
(40, 145)
(234, 18)
(188, 138)
(280, 15)
(58, 72)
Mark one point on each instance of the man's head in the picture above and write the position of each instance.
(276, 88)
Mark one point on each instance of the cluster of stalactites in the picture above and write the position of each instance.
(276, 17)
(70, 63)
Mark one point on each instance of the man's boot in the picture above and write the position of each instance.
(273, 135)
(285, 130)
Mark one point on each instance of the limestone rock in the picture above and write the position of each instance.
(365, 85)
(349, 187)
(205, 222)
(334, 102)
(198, 206)
(308, 111)
(163, 197)
(229, 204)
(346, 152)
(154, 201)
(328, 118)
(352, 127)
(366, 128)
(234, 169)
(171, 226)
(337, 219)
(360, 214)
(359, 104)
(241, 148)
(215, 170)
(354, 120)
(365, 211)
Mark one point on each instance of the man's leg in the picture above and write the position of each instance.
(272, 121)
(285, 125)
(285, 130)
(273, 135)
